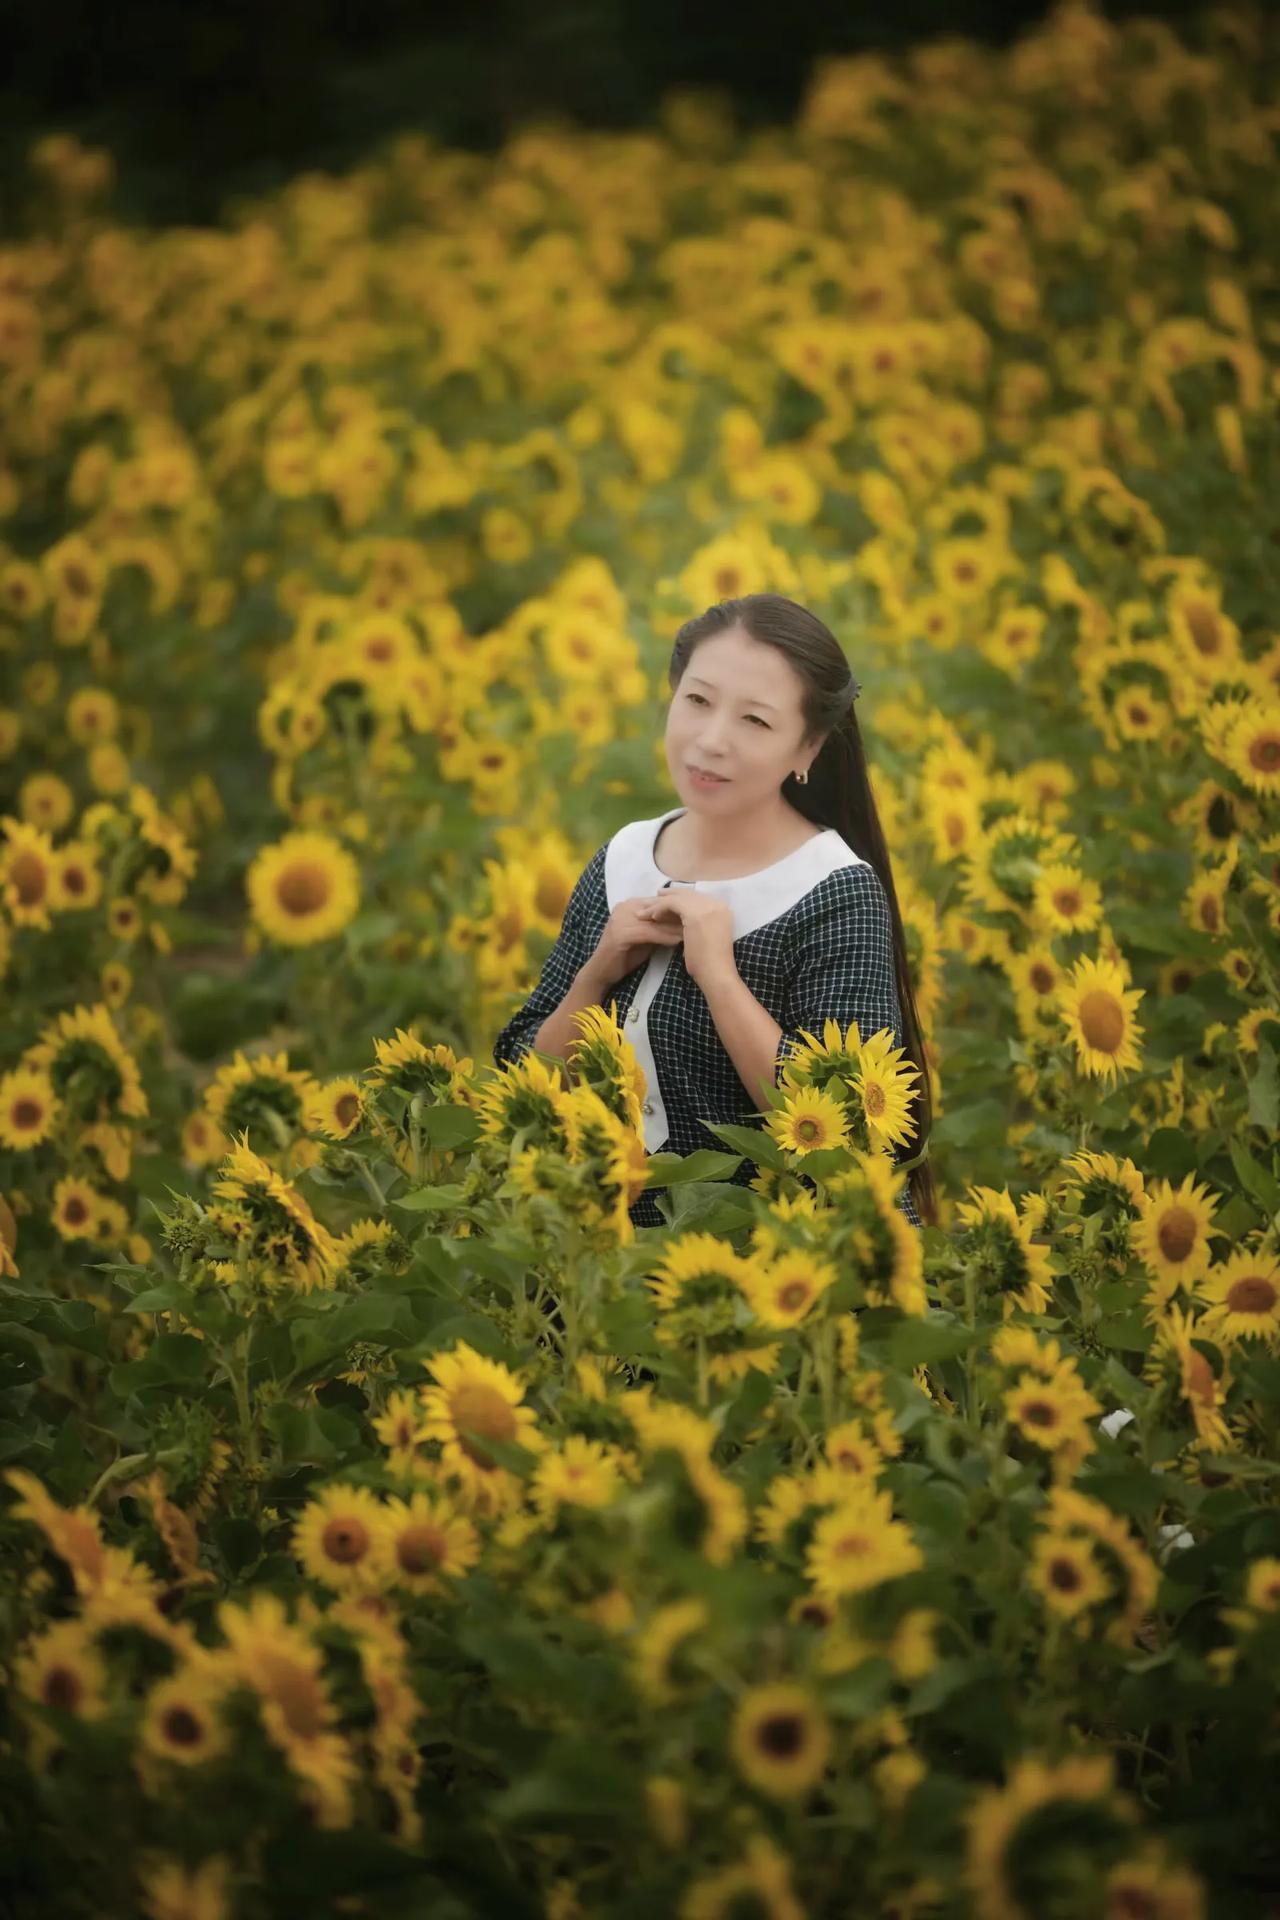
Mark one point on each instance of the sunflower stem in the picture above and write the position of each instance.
(237, 1365)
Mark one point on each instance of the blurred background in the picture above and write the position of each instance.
(232, 96)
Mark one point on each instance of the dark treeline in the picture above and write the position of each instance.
(230, 96)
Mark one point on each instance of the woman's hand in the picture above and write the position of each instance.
(627, 941)
(704, 924)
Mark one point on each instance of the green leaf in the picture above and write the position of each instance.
(917, 1343)
(450, 1126)
(1264, 1090)
(1253, 1177)
(675, 1169)
(753, 1143)
(443, 1199)
(1171, 1154)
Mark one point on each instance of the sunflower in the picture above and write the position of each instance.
(782, 1293)
(77, 1209)
(409, 1066)
(181, 1722)
(282, 1231)
(1253, 747)
(202, 1143)
(1064, 1571)
(889, 1250)
(474, 1401)
(1171, 1235)
(263, 1097)
(780, 1739)
(860, 1545)
(1136, 1577)
(341, 1539)
(92, 1073)
(282, 1666)
(1000, 1850)
(697, 1283)
(578, 1473)
(336, 1109)
(882, 1082)
(1052, 1412)
(604, 1059)
(28, 867)
(759, 1884)
(1204, 1391)
(1243, 1297)
(93, 714)
(399, 1428)
(61, 1669)
(172, 1890)
(303, 889)
(1015, 1265)
(658, 1643)
(808, 1121)
(1097, 1009)
(367, 1251)
(429, 1542)
(29, 1108)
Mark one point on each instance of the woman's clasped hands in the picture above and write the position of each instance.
(637, 928)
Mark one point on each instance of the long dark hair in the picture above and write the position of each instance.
(837, 793)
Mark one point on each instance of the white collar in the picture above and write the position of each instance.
(630, 871)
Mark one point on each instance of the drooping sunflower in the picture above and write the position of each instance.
(92, 1073)
(999, 1853)
(1243, 1298)
(780, 1739)
(1097, 1009)
(1017, 1267)
(657, 1645)
(889, 1252)
(697, 1287)
(28, 1108)
(1174, 1353)
(282, 1230)
(605, 1060)
(477, 1400)
(1171, 1235)
(303, 889)
(758, 1884)
(263, 1099)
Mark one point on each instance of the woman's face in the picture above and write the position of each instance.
(737, 713)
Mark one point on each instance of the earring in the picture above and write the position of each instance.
(803, 777)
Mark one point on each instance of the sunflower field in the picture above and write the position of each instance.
(387, 1526)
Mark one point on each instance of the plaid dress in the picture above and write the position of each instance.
(812, 939)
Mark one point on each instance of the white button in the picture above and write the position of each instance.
(648, 1106)
(633, 1016)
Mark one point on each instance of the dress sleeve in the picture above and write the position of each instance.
(844, 967)
(573, 946)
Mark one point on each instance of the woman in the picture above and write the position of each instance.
(762, 905)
